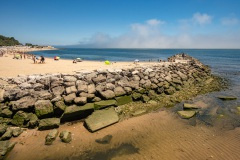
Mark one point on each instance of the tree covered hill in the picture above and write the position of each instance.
(8, 41)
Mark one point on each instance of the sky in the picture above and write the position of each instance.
(123, 23)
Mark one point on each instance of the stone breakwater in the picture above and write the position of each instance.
(45, 101)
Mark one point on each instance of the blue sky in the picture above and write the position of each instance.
(123, 23)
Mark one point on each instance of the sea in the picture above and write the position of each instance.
(214, 133)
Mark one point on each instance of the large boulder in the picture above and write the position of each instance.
(51, 136)
(48, 123)
(5, 148)
(101, 119)
(59, 108)
(6, 113)
(91, 88)
(82, 88)
(119, 91)
(123, 100)
(69, 79)
(80, 100)
(58, 90)
(33, 121)
(136, 96)
(3, 129)
(69, 98)
(104, 104)
(20, 119)
(71, 89)
(43, 95)
(77, 112)
(108, 94)
(44, 108)
(16, 131)
(100, 78)
(65, 136)
(7, 135)
(25, 103)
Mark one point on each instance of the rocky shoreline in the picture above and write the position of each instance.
(101, 97)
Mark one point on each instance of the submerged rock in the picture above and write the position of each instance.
(105, 140)
(227, 98)
(190, 106)
(186, 114)
(101, 118)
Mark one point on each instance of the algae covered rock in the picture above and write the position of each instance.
(6, 113)
(123, 100)
(66, 136)
(190, 106)
(33, 121)
(51, 136)
(101, 118)
(77, 112)
(59, 108)
(16, 131)
(5, 148)
(44, 108)
(3, 129)
(186, 114)
(20, 118)
(104, 104)
(48, 123)
(7, 135)
(226, 98)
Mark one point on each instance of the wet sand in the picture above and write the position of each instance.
(162, 135)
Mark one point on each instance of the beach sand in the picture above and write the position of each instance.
(160, 135)
(10, 67)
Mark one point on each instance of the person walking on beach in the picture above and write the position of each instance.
(34, 59)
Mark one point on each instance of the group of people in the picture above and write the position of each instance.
(40, 59)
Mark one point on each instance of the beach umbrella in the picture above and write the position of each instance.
(107, 62)
(136, 60)
(78, 59)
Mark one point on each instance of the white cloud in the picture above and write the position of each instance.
(229, 21)
(202, 19)
(150, 34)
(154, 22)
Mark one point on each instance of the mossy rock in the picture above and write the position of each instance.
(104, 104)
(59, 108)
(141, 90)
(33, 121)
(6, 113)
(77, 112)
(138, 112)
(190, 106)
(51, 136)
(226, 98)
(136, 96)
(186, 114)
(123, 100)
(20, 118)
(44, 109)
(145, 98)
(49, 123)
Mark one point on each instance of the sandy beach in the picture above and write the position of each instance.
(10, 67)
(160, 135)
